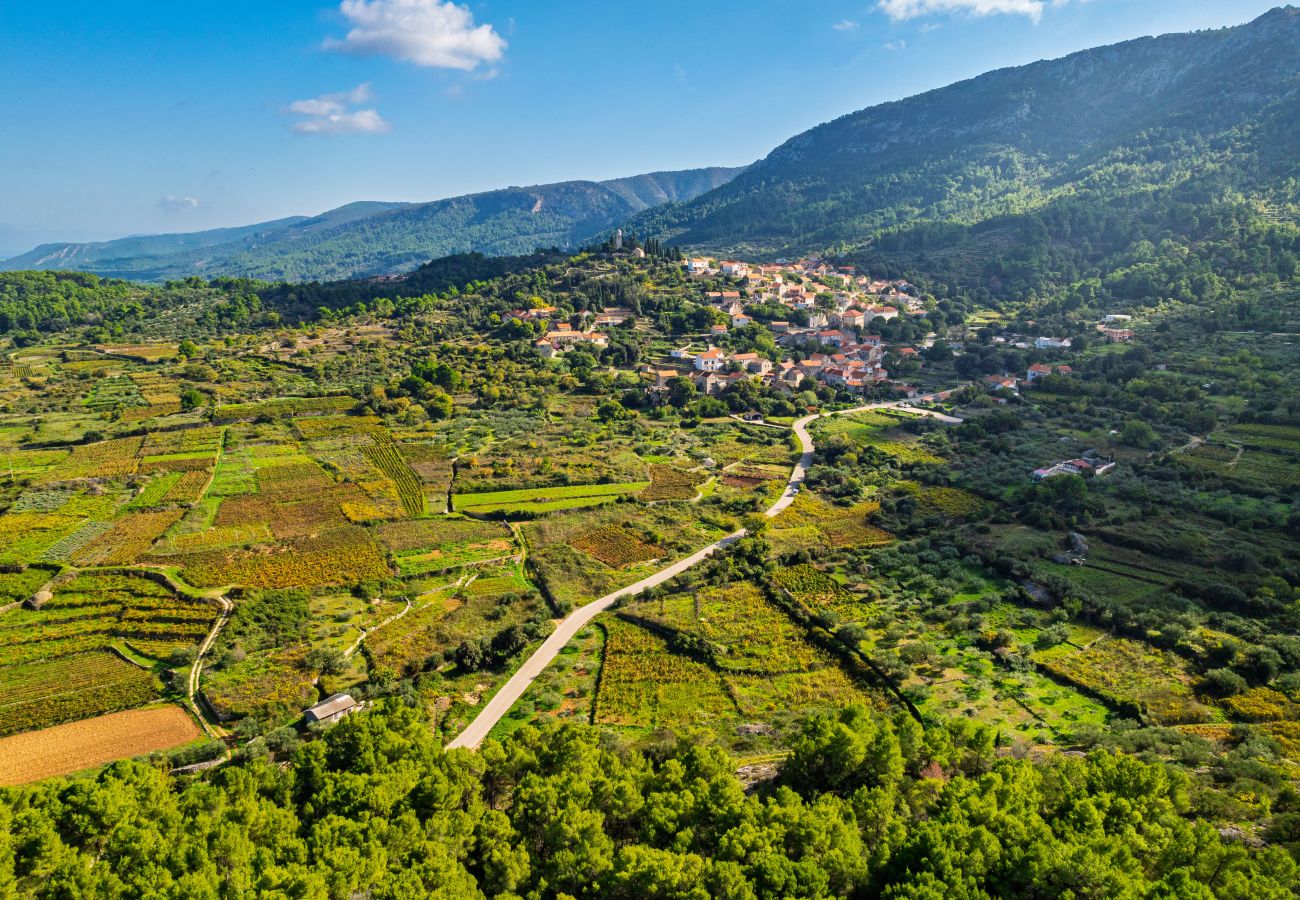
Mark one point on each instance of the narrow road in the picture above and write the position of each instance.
(542, 657)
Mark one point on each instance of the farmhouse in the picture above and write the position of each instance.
(331, 710)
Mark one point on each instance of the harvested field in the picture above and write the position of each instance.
(65, 749)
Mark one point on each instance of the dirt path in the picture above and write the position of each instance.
(567, 629)
(366, 632)
(197, 669)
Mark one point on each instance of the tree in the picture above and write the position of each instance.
(1137, 433)
(191, 398)
(326, 661)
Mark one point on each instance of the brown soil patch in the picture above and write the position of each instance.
(65, 749)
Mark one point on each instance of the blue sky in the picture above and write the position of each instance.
(134, 117)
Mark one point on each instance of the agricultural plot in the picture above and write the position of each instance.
(1131, 677)
(276, 683)
(811, 521)
(336, 557)
(616, 547)
(765, 664)
(645, 685)
(19, 585)
(146, 353)
(444, 618)
(410, 490)
(671, 483)
(86, 744)
(432, 465)
(39, 694)
(106, 459)
(116, 392)
(817, 591)
(95, 611)
(30, 536)
(434, 545)
(748, 634)
(566, 690)
(879, 430)
(544, 499)
(1259, 470)
(127, 539)
(1266, 437)
(949, 502)
(285, 408)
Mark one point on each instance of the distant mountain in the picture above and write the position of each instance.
(1213, 115)
(364, 239)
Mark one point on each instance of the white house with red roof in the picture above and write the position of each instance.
(711, 360)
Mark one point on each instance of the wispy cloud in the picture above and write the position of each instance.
(433, 33)
(847, 25)
(896, 45)
(899, 10)
(174, 204)
(332, 114)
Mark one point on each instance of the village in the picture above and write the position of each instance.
(824, 337)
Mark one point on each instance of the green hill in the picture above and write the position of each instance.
(364, 239)
(1204, 117)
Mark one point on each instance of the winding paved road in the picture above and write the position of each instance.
(542, 657)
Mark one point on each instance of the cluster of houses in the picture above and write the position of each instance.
(854, 366)
(565, 337)
(830, 307)
(1014, 383)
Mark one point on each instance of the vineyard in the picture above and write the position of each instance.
(1130, 676)
(812, 520)
(670, 483)
(616, 547)
(644, 684)
(545, 499)
(340, 556)
(94, 611)
(40, 694)
(409, 488)
(285, 408)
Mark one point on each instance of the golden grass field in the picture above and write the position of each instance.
(69, 748)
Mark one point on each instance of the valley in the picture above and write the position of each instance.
(912, 513)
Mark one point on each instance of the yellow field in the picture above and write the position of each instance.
(65, 749)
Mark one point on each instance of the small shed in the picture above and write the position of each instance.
(331, 710)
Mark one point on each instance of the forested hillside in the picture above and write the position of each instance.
(865, 806)
(364, 239)
(1126, 130)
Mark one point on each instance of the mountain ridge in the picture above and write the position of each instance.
(369, 238)
(1012, 139)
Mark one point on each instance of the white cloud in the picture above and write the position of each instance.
(363, 121)
(173, 204)
(434, 33)
(896, 45)
(331, 114)
(846, 25)
(899, 10)
(331, 104)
